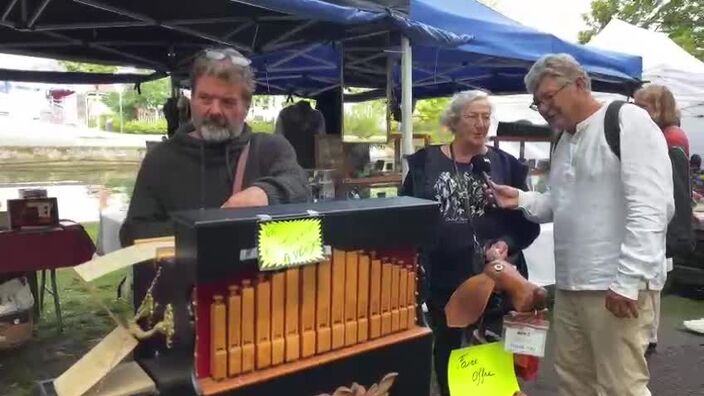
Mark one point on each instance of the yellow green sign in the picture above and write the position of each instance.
(482, 370)
(289, 243)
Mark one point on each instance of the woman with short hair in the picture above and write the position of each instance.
(471, 230)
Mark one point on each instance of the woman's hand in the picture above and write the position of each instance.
(505, 196)
(497, 251)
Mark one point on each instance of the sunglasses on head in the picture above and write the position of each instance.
(235, 57)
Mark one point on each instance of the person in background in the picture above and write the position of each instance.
(215, 160)
(610, 215)
(695, 169)
(299, 124)
(660, 104)
(470, 231)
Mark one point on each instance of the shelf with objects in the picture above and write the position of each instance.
(532, 145)
(538, 139)
(351, 316)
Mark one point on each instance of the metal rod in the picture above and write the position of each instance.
(237, 30)
(302, 68)
(322, 79)
(23, 12)
(284, 77)
(318, 92)
(468, 85)
(206, 21)
(367, 59)
(99, 25)
(319, 60)
(37, 44)
(285, 44)
(366, 35)
(266, 84)
(293, 55)
(38, 13)
(115, 10)
(274, 18)
(288, 34)
(406, 101)
(8, 9)
(144, 18)
(208, 37)
(431, 83)
(143, 61)
(376, 71)
(363, 49)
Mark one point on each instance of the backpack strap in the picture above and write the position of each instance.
(612, 128)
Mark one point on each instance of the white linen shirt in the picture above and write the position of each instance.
(610, 216)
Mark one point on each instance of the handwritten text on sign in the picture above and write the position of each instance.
(289, 243)
(482, 370)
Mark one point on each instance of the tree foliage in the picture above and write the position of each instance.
(87, 67)
(682, 20)
(153, 95)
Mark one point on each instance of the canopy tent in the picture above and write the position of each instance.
(501, 52)
(666, 63)
(163, 35)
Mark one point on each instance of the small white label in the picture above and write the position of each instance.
(525, 340)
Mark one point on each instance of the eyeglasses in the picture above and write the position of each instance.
(548, 98)
(228, 53)
(475, 118)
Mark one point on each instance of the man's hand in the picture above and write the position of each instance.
(249, 197)
(497, 251)
(505, 196)
(620, 306)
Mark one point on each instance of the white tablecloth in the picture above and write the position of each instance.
(109, 232)
(540, 257)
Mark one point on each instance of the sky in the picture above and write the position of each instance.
(562, 18)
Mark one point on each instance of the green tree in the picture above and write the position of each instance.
(87, 67)
(680, 19)
(153, 95)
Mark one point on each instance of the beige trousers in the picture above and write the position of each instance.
(653, 332)
(598, 354)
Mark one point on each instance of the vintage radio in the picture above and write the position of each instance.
(350, 317)
(32, 212)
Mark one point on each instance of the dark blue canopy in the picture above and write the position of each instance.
(457, 44)
(500, 53)
(493, 52)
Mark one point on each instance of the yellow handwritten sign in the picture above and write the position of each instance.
(289, 243)
(483, 370)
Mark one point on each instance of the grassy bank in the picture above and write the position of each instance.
(50, 353)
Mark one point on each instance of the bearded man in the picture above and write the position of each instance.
(215, 160)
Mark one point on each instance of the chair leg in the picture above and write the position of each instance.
(57, 304)
(41, 291)
(32, 279)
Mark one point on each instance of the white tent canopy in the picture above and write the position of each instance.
(666, 63)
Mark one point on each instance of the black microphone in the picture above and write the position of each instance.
(481, 166)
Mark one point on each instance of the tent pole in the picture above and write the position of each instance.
(406, 102)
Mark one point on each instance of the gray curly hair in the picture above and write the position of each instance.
(226, 64)
(458, 103)
(562, 66)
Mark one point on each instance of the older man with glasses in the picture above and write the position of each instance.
(610, 216)
(215, 160)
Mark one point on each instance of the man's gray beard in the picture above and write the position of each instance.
(215, 133)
